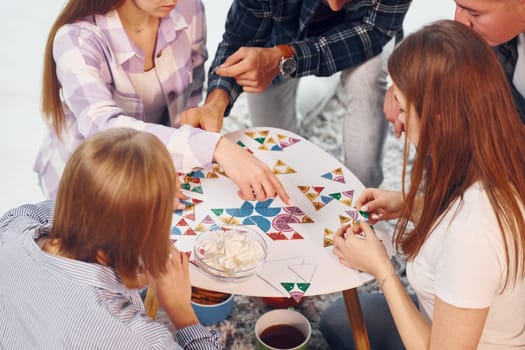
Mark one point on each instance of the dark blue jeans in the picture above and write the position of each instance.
(380, 326)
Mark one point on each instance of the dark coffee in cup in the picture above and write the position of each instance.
(282, 329)
(282, 336)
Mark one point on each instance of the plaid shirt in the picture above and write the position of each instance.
(51, 302)
(94, 58)
(368, 26)
(508, 56)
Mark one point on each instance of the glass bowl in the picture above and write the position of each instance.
(231, 255)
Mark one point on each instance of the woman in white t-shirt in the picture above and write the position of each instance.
(465, 199)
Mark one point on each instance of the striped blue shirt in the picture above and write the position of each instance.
(50, 302)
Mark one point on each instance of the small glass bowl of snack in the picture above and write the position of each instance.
(230, 255)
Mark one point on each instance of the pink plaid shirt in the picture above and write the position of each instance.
(94, 58)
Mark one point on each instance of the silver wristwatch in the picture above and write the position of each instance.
(287, 64)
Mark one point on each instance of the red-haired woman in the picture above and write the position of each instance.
(466, 198)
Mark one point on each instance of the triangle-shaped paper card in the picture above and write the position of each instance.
(207, 224)
(240, 143)
(271, 145)
(297, 293)
(305, 271)
(344, 197)
(281, 167)
(335, 175)
(276, 272)
(258, 136)
(286, 141)
(328, 239)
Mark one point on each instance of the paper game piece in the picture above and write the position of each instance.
(305, 271)
(276, 272)
(335, 175)
(281, 167)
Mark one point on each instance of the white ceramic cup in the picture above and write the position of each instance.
(282, 317)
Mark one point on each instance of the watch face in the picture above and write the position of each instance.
(288, 66)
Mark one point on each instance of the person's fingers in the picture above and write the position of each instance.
(253, 89)
(259, 192)
(178, 205)
(376, 216)
(344, 263)
(337, 251)
(182, 196)
(246, 192)
(369, 233)
(231, 60)
(369, 206)
(277, 188)
(233, 70)
(184, 261)
(341, 231)
(366, 196)
(247, 83)
(190, 117)
(211, 123)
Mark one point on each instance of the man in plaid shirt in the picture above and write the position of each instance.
(268, 44)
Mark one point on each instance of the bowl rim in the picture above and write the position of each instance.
(225, 301)
(226, 274)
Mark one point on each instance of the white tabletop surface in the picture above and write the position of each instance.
(306, 261)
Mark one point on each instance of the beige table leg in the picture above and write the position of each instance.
(151, 303)
(355, 316)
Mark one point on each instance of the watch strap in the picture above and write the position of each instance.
(286, 51)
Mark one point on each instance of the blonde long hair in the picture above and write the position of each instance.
(117, 195)
(469, 131)
(73, 11)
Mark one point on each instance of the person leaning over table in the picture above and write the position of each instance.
(267, 45)
(137, 64)
(502, 24)
(70, 271)
(465, 199)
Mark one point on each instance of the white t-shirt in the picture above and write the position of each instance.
(463, 263)
(148, 87)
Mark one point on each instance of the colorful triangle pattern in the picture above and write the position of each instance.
(268, 143)
(313, 193)
(189, 209)
(275, 221)
(240, 143)
(182, 228)
(296, 290)
(192, 184)
(328, 239)
(207, 224)
(335, 175)
(281, 167)
(344, 197)
(286, 141)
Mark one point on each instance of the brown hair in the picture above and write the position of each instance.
(469, 131)
(73, 11)
(116, 196)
